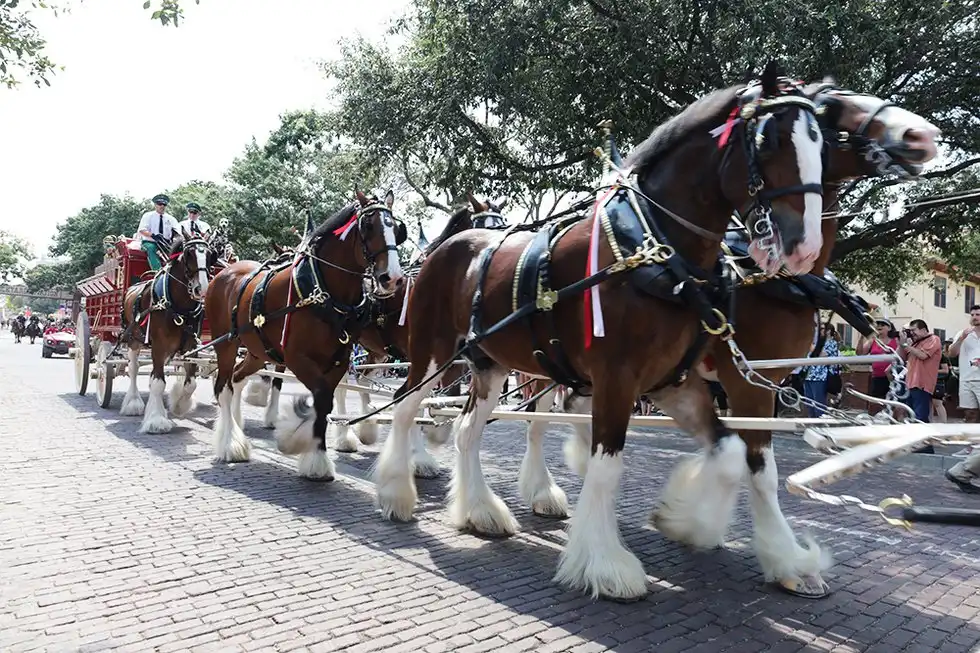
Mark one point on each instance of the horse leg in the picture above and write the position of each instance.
(230, 442)
(182, 393)
(472, 504)
(272, 406)
(393, 475)
(344, 440)
(595, 558)
(535, 483)
(132, 403)
(423, 463)
(257, 391)
(155, 418)
(783, 559)
(698, 502)
(300, 434)
(578, 448)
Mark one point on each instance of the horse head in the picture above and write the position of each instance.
(380, 235)
(191, 258)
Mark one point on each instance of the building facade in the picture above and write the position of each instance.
(944, 304)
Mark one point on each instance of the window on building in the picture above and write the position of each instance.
(939, 291)
(846, 333)
(941, 333)
(969, 297)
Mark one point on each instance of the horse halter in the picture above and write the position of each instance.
(873, 152)
(759, 136)
(489, 219)
(196, 245)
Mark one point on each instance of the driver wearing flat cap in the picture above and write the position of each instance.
(157, 226)
(193, 223)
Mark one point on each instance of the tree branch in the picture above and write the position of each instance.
(425, 197)
(487, 140)
(603, 11)
(885, 183)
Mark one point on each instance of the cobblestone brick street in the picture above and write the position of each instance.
(112, 540)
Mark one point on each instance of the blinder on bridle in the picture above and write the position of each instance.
(829, 111)
(387, 219)
(492, 218)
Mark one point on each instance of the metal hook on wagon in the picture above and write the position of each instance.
(904, 502)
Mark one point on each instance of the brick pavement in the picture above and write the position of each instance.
(111, 540)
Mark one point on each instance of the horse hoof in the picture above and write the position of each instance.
(323, 479)
(806, 587)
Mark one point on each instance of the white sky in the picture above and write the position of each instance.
(141, 107)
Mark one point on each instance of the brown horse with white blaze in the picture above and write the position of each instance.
(865, 136)
(165, 314)
(654, 244)
(303, 315)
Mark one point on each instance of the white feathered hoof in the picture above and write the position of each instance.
(156, 423)
(316, 466)
(344, 439)
(424, 465)
(438, 435)
(231, 445)
(257, 392)
(294, 434)
(678, 516)
(397, 497)
(545, 501)
(367, 432)
(132, 405)
(182, 398)
(796, 570)
(612, 573)
(490, 516)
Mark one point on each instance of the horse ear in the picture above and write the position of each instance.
(390, 198)
(183, 232)
(770, 79)
(361, 197)
(478, 206)
(309, 222)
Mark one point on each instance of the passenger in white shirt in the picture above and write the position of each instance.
(193, 223)
(966, 346)
(157, 223)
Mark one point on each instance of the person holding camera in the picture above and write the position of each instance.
(880, 380)
(966, 346)
(921, 349)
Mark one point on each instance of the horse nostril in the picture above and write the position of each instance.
(384, 279)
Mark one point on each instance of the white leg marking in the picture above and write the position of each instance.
(236, 402)
(438, 435)
(578, 448)
(367, 431)
(535, 483)
(782, 558)
(271, 415)
(422, 461)
(472, 504)
(343, 436)
(230, 442)
(699, 499)
(182, 395)
(595, 559)
(316, 465)
(294, 433)
(132, 403)
(393, 475)
(155, 418)
(257, 390)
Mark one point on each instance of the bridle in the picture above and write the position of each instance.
(873, 152)
(756, 114)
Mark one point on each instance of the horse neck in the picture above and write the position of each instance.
(828, 228)
(695, 197)
(341, 285)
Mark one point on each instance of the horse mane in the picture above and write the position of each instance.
(452, 227)
(703, 114)
(334, 222)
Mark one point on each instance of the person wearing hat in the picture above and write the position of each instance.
(880, 381)
(193, 223)
(157, 225)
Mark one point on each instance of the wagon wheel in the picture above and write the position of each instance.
(106, 373)
(83, 353)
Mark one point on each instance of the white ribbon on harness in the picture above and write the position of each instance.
(720, 129)
(598, 326)
(408, 287)
(343, 234)
(146, 337)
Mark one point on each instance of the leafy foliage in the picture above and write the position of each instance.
(504, 97)
(49, 276)
(13, 251)
(80, 236)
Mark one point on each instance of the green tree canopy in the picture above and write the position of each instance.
(504, 98)
(49, 276)
(13, 251)
(80, 236)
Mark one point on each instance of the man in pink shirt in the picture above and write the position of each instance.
(922, 350)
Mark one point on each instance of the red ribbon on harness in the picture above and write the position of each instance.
(709, 363)
(340, 230)
(729, 126)
(175, 256)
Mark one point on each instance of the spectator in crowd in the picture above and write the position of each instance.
(966, 347)
(815, 377)
(939, 396)
(921, 349)
(880, 379)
